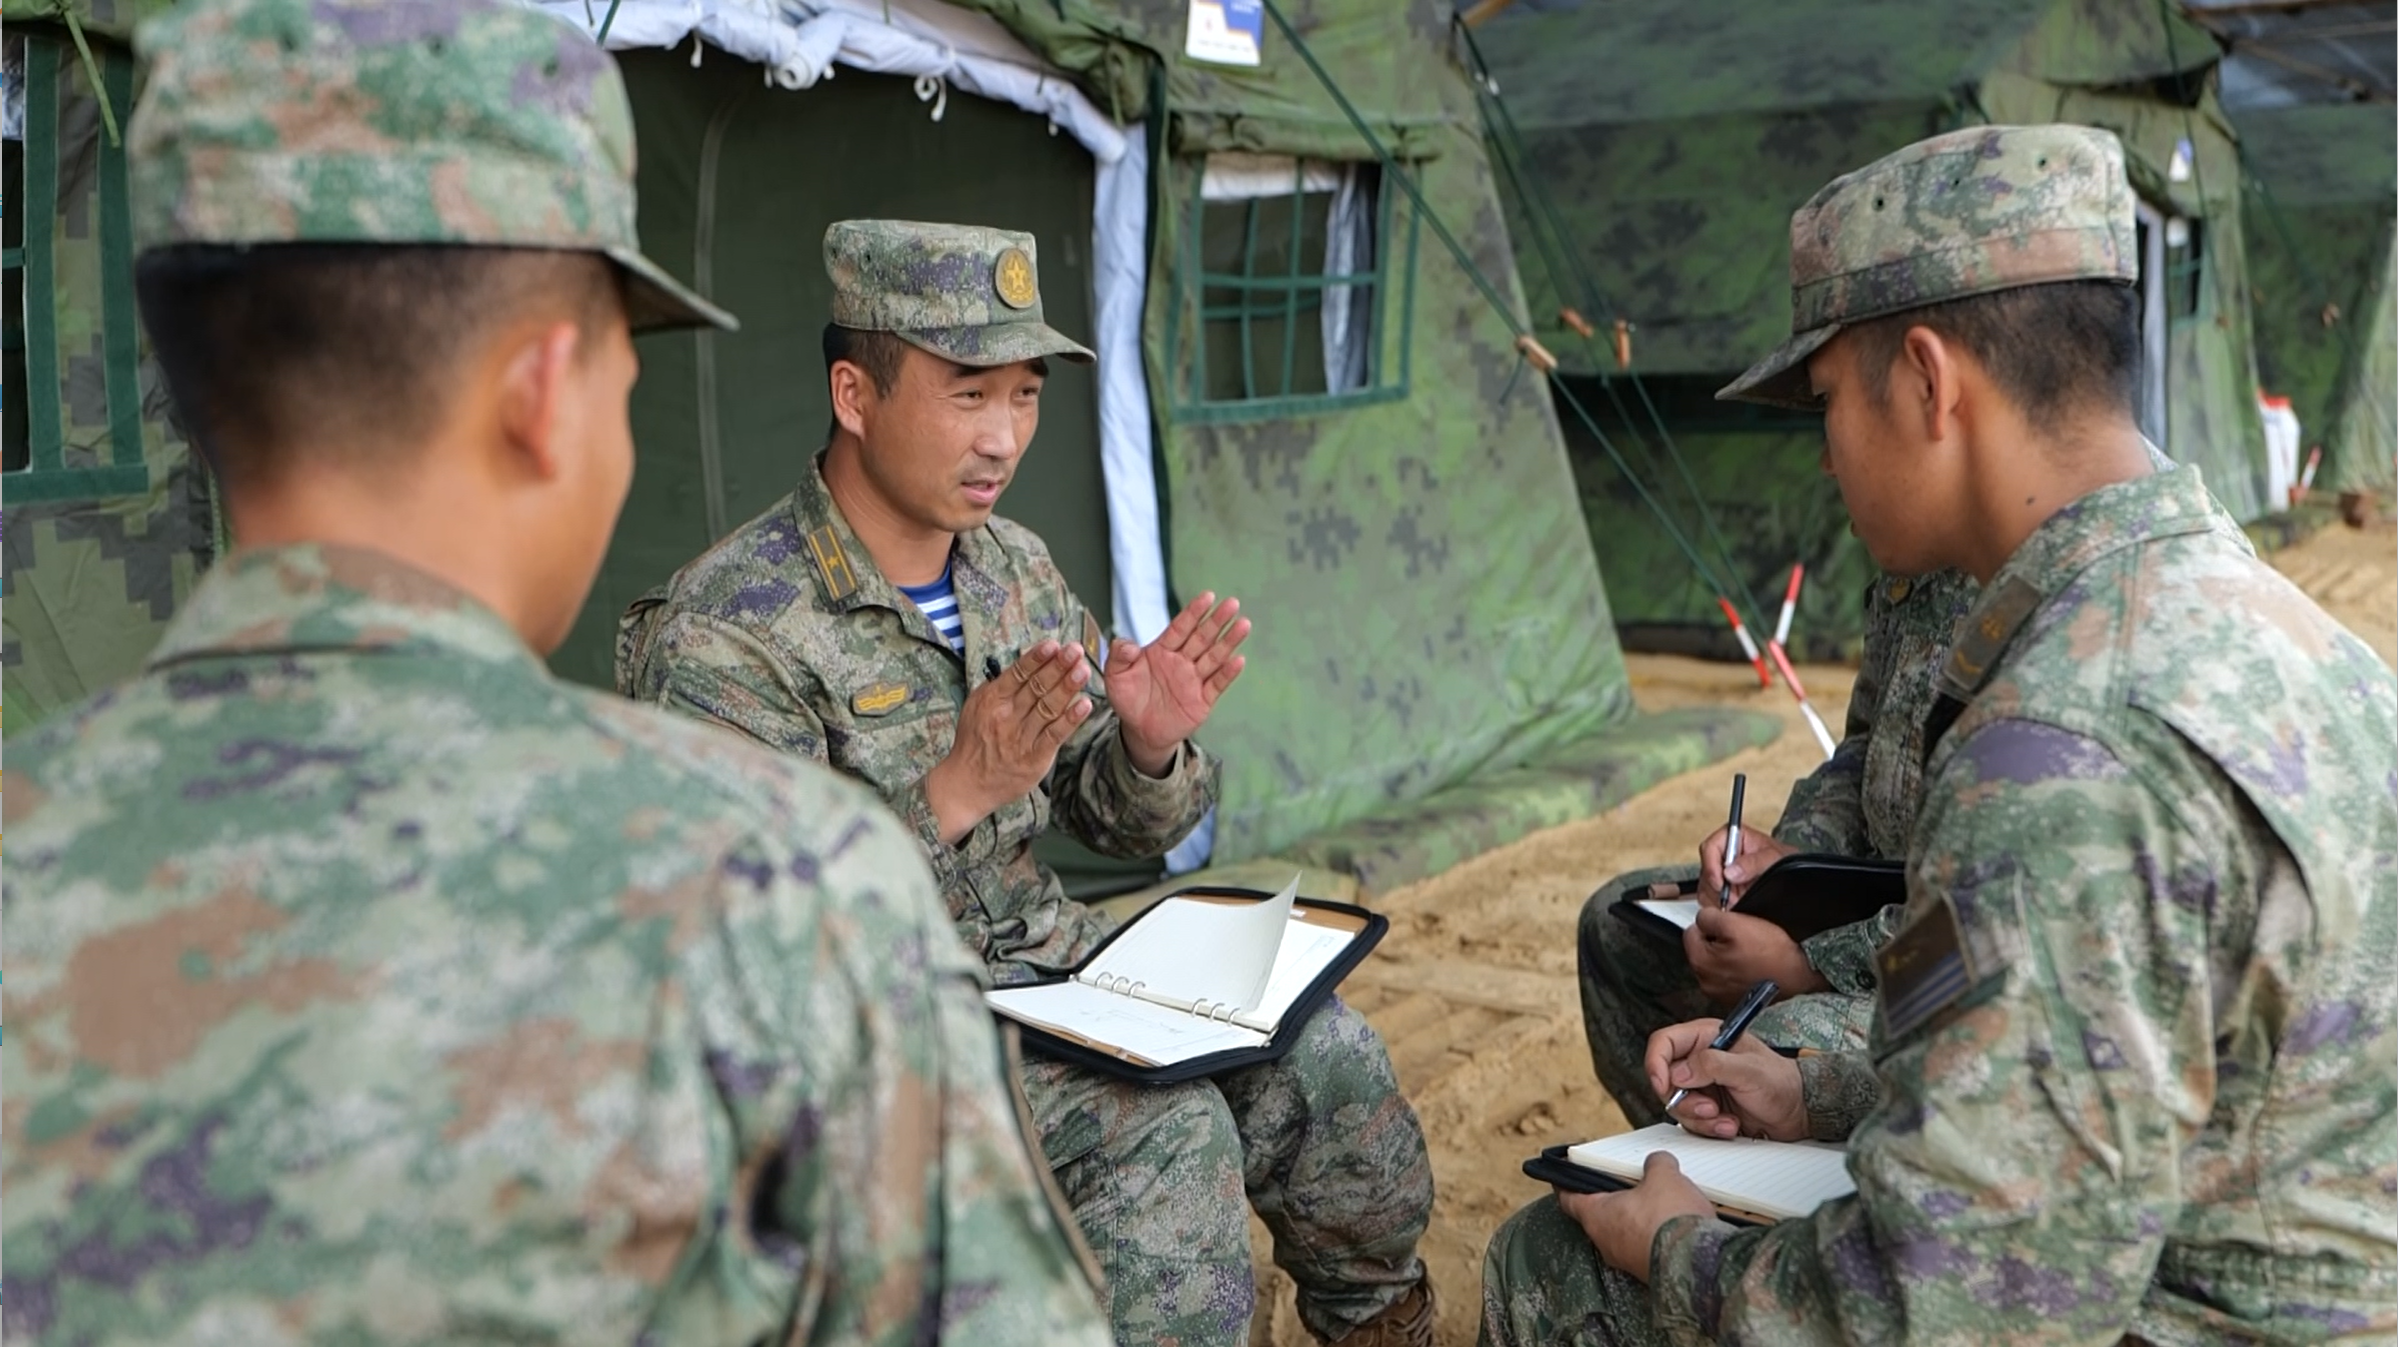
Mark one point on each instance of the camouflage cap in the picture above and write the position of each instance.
(1987, 208)
(474, 122)
(962, 292)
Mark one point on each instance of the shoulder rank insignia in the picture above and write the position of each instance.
(1922, 971)
(880, 700)
(1094, 641)
(824, 547)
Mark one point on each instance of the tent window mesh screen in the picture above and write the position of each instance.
(1283, 291)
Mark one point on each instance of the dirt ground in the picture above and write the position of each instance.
(1474, 988)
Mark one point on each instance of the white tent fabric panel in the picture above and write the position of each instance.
(800, 41)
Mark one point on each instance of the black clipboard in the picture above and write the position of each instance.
(1551, 1167)
(1369, 928)
(1806, 895)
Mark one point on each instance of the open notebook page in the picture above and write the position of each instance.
(1186, 949)
(1682, 912)
(1157, 1035)
(1781, 1179)
(1307, 950)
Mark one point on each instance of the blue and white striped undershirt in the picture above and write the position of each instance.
(939, 602)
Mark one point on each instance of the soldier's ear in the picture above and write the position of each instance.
(536, 385)
(853, 393)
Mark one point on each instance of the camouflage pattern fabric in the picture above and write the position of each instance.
(1861, 802)
(2319, 229)
(2180, 1125)
(963, 292)
(472, 1007)
(1322, 1143)
(1983, 209)
(787, 632)
(108, 523)
(452, 123)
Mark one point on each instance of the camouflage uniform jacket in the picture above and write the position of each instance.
(1862, 801)
(787, 632)
(369, 985)
(2137, 1046)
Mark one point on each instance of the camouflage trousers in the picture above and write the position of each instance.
(1632, 987)
(1321, 1144)
(1544, 1286)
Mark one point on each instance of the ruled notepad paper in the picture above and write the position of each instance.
(1682, 912)
(1781, 1179)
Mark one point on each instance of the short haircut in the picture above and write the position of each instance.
(880, 354)
(284, 353)
(2055, 349)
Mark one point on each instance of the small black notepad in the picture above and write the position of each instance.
(1805, 894)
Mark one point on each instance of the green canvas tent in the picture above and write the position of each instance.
(1672, 138)
(1300, 400)
(108, 514)
(2323, 194)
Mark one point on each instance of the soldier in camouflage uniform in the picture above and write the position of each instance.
(1859, 803)
(368, 984)
(968, 700)
(2134, 1067)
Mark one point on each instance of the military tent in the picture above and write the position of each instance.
(109, 516)
(1667, 142)
(1300, 399)
(2323, 193)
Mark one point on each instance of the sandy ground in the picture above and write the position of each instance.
(1474, 988)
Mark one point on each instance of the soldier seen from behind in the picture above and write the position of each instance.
(368, 985)
(2134, 1067)
(883, 619)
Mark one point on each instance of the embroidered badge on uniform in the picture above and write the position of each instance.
(881, 699)
(1922, 971)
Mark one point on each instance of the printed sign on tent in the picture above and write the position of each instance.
(1226, 32)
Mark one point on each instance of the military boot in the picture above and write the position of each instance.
(1407, 1323)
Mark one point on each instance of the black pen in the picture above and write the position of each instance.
(1740, 788)
(1759, 997)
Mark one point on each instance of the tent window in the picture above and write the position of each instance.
(1284, 290)
(57, 147)
(2185, 269)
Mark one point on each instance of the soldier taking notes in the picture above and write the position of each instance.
(883, 619)
(2135, 1054)
(365, 983)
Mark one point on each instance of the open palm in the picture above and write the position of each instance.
(1163, 692)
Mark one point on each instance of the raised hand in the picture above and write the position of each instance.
(1164, 691)
(1008, 735)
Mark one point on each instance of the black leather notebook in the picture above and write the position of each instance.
(1203, 981)
(1805, 894)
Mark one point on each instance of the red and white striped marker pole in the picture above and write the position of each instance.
(1747, 646)
(1823, 735)
(1798, 571)
(2314, 460)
